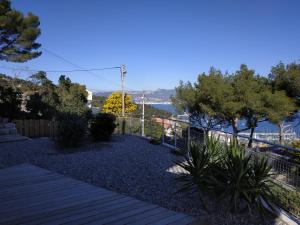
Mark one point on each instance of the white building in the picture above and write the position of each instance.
(89, 98)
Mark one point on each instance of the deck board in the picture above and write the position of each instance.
(32, 195)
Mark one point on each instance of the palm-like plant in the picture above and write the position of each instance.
(245, 181)
(226, 170)
(260, 184)
(199, 164)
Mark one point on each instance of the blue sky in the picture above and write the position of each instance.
(161, 42)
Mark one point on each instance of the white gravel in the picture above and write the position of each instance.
(127, 164)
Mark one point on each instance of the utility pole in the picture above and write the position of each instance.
(123, 72)
(143, 114)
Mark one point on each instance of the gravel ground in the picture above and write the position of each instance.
(128, 165)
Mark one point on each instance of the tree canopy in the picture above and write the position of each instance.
(287, 78)
(41, 98)
(113, 104)
(18, 34)
(225, 99)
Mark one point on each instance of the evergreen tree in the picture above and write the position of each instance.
(287, 78)
(249, 91)
(203, 99)
(279, 108)
(72, 97)
(18, 34)
(44, 101)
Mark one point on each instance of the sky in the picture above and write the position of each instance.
(160, 42)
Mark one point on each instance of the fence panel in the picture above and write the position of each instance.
(36, 128)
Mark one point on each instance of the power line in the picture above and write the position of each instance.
(81, 68)
(60, 71)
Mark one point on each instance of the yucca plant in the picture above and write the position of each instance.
(245, 181)
(199, 164)
(260, 185)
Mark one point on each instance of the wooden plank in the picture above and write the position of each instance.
(139, 216)
(120, 216)
(50, 197)
(114, 210)
(22, 171)
(45, 206)
(36, 189)
(41, 191)
(46, 213)
(29, 180)
(82, 211)
(57, 216)
(169, 219)
(188, 220)
(103, 210)
(159, 216)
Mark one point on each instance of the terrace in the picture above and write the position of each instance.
(130, 165)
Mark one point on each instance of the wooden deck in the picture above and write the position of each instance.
(31, 195)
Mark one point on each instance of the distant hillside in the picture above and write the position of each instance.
(159, 95)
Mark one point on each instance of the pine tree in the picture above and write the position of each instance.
(18, 34)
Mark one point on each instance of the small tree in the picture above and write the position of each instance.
(249, 90)
(17, 34)
(45, 98)
(113, 104)
(279, 108)
(72, 97)
(203, 99)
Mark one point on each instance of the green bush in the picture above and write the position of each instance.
(102, 126)
(287, 199)
(153, 130)
(71, 129)
(155, 141)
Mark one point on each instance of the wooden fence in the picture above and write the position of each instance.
(36, 128)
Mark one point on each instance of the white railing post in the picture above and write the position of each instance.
(189, 138)
(175, 137)
(130, 125)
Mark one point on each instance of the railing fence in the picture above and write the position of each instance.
(180, 135)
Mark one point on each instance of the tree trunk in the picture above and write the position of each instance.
(234, 124)
(123, 126)
(251, 136)
(280, 126)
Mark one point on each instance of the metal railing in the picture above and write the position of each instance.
(179, 135)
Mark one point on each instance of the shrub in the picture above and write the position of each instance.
(71, 129)
(153, 129)
(103, 126)
(155, 141)
(295, 156)
(287, 199)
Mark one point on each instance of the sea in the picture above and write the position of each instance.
(263, 127)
